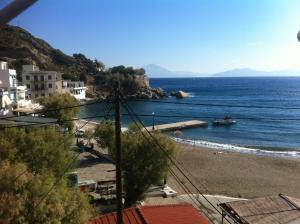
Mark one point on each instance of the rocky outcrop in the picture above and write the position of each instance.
(180, 94)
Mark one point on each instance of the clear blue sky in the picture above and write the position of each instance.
(202, 36)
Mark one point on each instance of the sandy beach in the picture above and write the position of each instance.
(239, 174)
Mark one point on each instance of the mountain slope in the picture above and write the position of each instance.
(18, 47)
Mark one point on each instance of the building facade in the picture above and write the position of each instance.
(76, 89)
(8, 80)
(40, 83)
(5, 102)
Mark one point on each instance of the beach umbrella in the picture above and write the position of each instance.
(298, 36)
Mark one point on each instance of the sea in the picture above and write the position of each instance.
(266, 110)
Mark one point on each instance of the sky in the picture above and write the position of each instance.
(203, 36)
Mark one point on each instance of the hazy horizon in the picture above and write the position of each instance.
(195, 36)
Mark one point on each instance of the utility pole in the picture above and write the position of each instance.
(118, 155)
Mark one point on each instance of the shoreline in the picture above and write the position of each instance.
(236, 174)
(264, 151)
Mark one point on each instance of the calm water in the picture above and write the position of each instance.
(256, 132)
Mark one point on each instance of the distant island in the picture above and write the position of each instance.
(156, 71)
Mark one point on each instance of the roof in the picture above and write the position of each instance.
(172, 214)
(268, 210)
(130, 216)
(163, 214)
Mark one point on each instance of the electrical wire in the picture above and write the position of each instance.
(217, 105)
(63, 174)
(56, 109)
(170, 158)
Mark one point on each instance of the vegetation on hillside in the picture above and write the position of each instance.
(143, 161)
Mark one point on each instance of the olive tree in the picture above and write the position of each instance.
(145, 159)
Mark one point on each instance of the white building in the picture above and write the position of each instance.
(40, 83)
(5, 102)
(76, 89)
(8, 79)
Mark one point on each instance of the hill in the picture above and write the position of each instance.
(246, 72)
(156, 71)
(19, 47)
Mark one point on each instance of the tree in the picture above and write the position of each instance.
(105, 135)
(44, 150)
(50, 103)
(23, 200)
(144, 163)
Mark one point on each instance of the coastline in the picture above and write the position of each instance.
(237, 174)
(265, 151)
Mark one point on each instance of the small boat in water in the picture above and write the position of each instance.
(226, 121)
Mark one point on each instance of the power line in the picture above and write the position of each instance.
(55, 109)
(209, 117)
(62, 142)
(168, 155)
(217, 105)
(65, 171)
(52, 122)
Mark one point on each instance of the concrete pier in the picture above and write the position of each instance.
(178, 125)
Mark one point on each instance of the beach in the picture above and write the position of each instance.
(238, 174)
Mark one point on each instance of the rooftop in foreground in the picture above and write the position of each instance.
(163, 214)
(268, 210)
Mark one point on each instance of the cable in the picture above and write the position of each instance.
(52, 122)
(217, 105)
(61, 177)
(58, 145)
(208, 117)
(189, 193)
(170, 158)
(175, 165)
(56, 109)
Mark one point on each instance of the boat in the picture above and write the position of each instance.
(228, 120)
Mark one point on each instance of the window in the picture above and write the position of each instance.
(42, 86)
(42, 78)
(27, 77)
(49, 77)
(28, 86)
(36, 87)
(35, 78)
(50, 85)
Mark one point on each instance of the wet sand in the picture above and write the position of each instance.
(238, 174)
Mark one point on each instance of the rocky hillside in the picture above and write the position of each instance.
(18, 47)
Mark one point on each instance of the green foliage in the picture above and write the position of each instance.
(143, 162)
(105, 134)
(22, 200)
(58, 101)
(67, 76)
(128, 77)
(44, 150)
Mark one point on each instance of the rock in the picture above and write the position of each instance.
(159, 92)
(145, 94)
(179, 94)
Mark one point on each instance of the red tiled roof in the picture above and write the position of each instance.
(130, 216)
(172, 214)
(162, 214)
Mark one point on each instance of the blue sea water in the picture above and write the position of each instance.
(257, 128)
